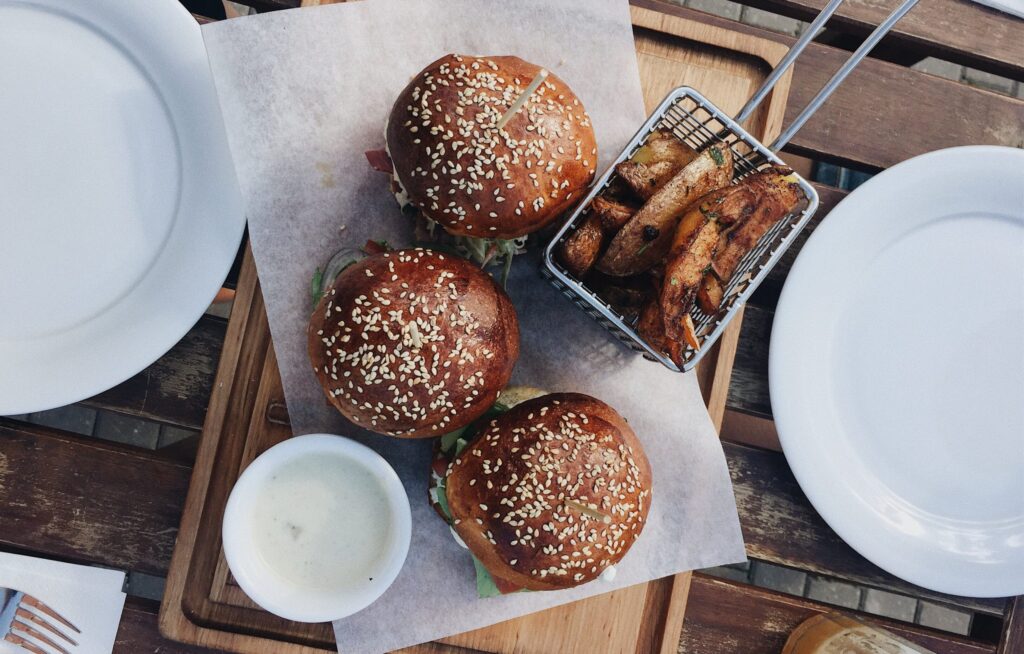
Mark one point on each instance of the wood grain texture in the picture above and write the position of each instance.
(748, 389)
(83, 500)
(174, 390)
(747, 429)
(955, 30)
(1012, 639)
(138, 633)
(883, 113)
(730, 618)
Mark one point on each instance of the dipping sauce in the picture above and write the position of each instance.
(322, 522)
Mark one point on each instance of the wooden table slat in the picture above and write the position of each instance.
(139, 634)
(1012, 640)
(961, 31)
(83, 500)
(725, 617)
(748, 388)
(883, 113)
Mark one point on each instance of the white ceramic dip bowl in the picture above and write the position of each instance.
(317, 528)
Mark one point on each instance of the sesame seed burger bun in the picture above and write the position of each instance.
(462, 172)
(507, 491)
(413, 343)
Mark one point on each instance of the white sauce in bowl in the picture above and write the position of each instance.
(322, 521)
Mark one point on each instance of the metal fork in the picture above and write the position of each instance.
(23, 616)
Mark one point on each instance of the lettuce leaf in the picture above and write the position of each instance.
(485, 586)
(442, 501)
(451, 446)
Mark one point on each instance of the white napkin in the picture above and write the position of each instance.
(90, 598)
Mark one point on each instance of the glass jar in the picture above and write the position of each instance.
(835, 633)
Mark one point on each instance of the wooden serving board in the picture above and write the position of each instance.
(202, 605)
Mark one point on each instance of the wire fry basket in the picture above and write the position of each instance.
(698, 123)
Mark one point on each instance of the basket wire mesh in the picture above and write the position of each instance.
(695, 121)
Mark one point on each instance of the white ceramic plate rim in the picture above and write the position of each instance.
(165, 42)
(263, 586)
(924, 564)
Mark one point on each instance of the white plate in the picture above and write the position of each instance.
(120, 214)
(897, 370)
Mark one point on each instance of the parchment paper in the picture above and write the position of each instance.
(304, 93)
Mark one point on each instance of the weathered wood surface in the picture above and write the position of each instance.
(961, 31)
(883, 113)
(176, 389)
(956, 30)
(87, 501)
(1012, 639)
(138, 633)
(729, 618)
(748, 390)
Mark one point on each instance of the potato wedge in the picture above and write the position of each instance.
(690, 256)
(643, 179)
(774, 194)
(613, 215)
(646, 238)
(579, 252)
(655, 163)
(651, 327)
(711, 293)
(662, 145)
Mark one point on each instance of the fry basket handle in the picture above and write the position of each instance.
(833, 83)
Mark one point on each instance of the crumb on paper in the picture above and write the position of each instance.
(326, 175)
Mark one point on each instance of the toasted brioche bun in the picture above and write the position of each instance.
(413, 343)
(512, 491)
(473, 179)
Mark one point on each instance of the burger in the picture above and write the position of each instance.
(413, 343)
(548, 492)
(455, 164)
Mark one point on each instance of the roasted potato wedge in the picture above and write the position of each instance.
(651, 327)
(655, 163)
(711, 293)
(661, 146)
(692, 250)
(579, 252)
(773, 194)
(613, 215)
(643, 179)
(646, 238)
